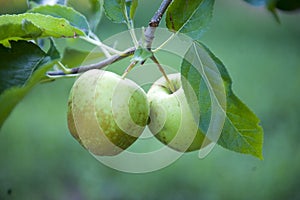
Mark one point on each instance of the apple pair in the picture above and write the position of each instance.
(107, 113)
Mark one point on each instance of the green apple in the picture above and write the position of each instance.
(171, 119)
(106, 113)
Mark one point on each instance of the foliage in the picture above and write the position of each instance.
(189, 18)
(241, 132)
(19, 76)
(32, 26)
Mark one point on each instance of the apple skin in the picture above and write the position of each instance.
(171, 120)
(106, 113)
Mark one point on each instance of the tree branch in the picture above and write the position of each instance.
(149, 36)
(98, 65)
(154, 23)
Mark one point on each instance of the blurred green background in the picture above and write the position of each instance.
(40, 160)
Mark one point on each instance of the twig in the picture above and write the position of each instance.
(154, 23)
(100, 44)
(99, 65)
(149, 36)
(129, 68)
(104, 50)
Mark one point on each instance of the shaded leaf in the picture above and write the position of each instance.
(115, 10)
(285, 5)
(91, 9)
(18, 76)
(120, 11)
(34, 25)
(241, 131)
(288, 5)
(75, 18)
(131, 6)
(190, 17)
(274, 5)
(271, 6)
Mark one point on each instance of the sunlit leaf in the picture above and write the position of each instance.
(34, 25)
(91, 9)
(75, 18)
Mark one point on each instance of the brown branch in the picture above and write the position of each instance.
(98, 65)
(149, 36)
(154, 23)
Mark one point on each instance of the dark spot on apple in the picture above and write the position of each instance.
(149, 120)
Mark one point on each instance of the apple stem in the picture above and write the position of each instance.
(129, 68)
(171, 86)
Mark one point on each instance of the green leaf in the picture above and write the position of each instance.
(75, 18)
(131, 6)
(91, 9)
(31, 29)
(34, 25)
(141, 54)
(274, 5)
(190, 17)
(285, 5)
(22, 66)
(115, 10)
(219, 107)
(120, 11)
(290, 5)
(271, 6)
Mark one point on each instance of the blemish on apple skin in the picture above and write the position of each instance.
(149, 120)
(163, 137)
